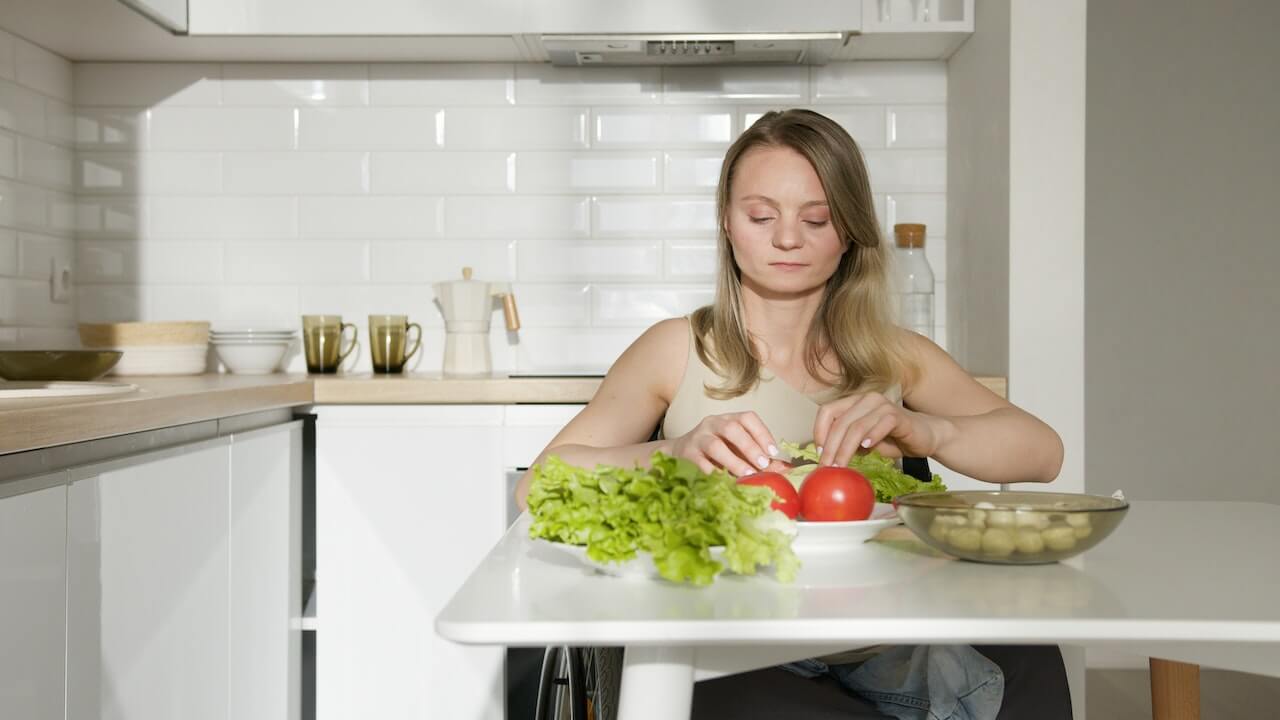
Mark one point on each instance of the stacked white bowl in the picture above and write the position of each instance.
(251, 351)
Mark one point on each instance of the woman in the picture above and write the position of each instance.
(800, 345)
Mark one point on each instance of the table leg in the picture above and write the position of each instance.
(1175, 690)
(657, 682)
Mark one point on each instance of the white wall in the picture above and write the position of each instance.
(248, 194)
(36, 211)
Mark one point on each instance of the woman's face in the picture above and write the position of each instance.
(779, 224)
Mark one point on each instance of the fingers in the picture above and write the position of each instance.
(740, 441)
(718, 452)
(841, 425)
(756, 427)
(859, 434)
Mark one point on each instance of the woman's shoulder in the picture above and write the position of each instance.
(659, 356)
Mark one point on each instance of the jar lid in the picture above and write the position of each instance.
(909, 235)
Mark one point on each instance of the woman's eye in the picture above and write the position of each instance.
(760, 219)
(815, 223)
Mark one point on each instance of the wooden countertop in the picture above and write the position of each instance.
(168, 401)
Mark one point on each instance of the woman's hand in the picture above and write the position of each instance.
(738, 442)
(871, 421)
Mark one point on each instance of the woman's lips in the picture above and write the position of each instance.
(789, 267)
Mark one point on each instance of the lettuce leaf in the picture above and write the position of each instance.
(671, 509)
(886, 478)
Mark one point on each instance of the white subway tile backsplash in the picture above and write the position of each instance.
(97, 217)
(38, 338)
(37, 253)
(163, 173)
(907, 170)
(118, 261)
(295, 173)
(517, 217)
(436, 260)
(538, 84)
(21, 109)
(291, 84)
(249, 193)
(31, 301)
(41, 163)
(42, 70)
(577, 349)
(112, 303)
(544, 172)
(221, 217)
(111, 128)
(662, 127)
(178, 303)
(404, 173)
(693, 171)
(588, 260)
(147, 84)
(8, 51)
(23, 206)
(371, 217)
(60, 122)
(643, 306)
(8, 155)
(562, 305)
(691, 260)
(183, 128)
(917, 126)
(369, 128)
(520, 128)
(440, 84)
(881, 82)
(741, 83)
(336, 261)
(927, 208)
(636, 215)
(245, 306)
(8, 253)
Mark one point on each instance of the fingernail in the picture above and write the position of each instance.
(762, 461)
(773, 450)
(866, 443)
(819, 449)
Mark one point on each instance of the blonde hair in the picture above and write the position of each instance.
(854, 322)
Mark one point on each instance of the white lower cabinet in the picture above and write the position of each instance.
(183, 582)
(33, 600)
(408, 500)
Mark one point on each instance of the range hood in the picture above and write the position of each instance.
(787, 48)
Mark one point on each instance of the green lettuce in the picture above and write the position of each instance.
(671, 510)
(886, 478)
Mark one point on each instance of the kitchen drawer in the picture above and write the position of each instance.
(528, 428)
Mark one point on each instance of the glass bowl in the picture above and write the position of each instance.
(1011, 527)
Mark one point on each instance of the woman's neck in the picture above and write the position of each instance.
(779, 325)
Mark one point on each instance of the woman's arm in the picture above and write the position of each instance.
(613, 428)
(949, 416)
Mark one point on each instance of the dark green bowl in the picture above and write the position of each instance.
(57, 364)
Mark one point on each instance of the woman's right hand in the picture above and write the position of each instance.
(738, 442)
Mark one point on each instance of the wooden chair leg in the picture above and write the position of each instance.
(1175, 690)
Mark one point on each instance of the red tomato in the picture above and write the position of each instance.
(787, 500)
(836, 494)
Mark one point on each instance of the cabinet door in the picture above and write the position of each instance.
(265, 596)
(408, 500)
(148, 587)
(33, 596)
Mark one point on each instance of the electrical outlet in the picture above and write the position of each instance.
(60, 281)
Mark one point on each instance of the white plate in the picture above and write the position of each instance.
(641, 566)
(823, 537)
(19, 390)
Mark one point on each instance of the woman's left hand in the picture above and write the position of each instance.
(870, 421)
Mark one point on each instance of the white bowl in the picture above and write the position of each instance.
(161, 360)
(251, 358)
(254, 331)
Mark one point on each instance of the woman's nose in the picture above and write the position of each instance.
(788, 236)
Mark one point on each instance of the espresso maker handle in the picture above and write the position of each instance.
(509, 311)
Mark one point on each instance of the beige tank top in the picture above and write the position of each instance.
(787, 412)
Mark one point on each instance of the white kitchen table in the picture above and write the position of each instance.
(1190, 582)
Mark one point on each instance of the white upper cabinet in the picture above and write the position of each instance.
(33, 600)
